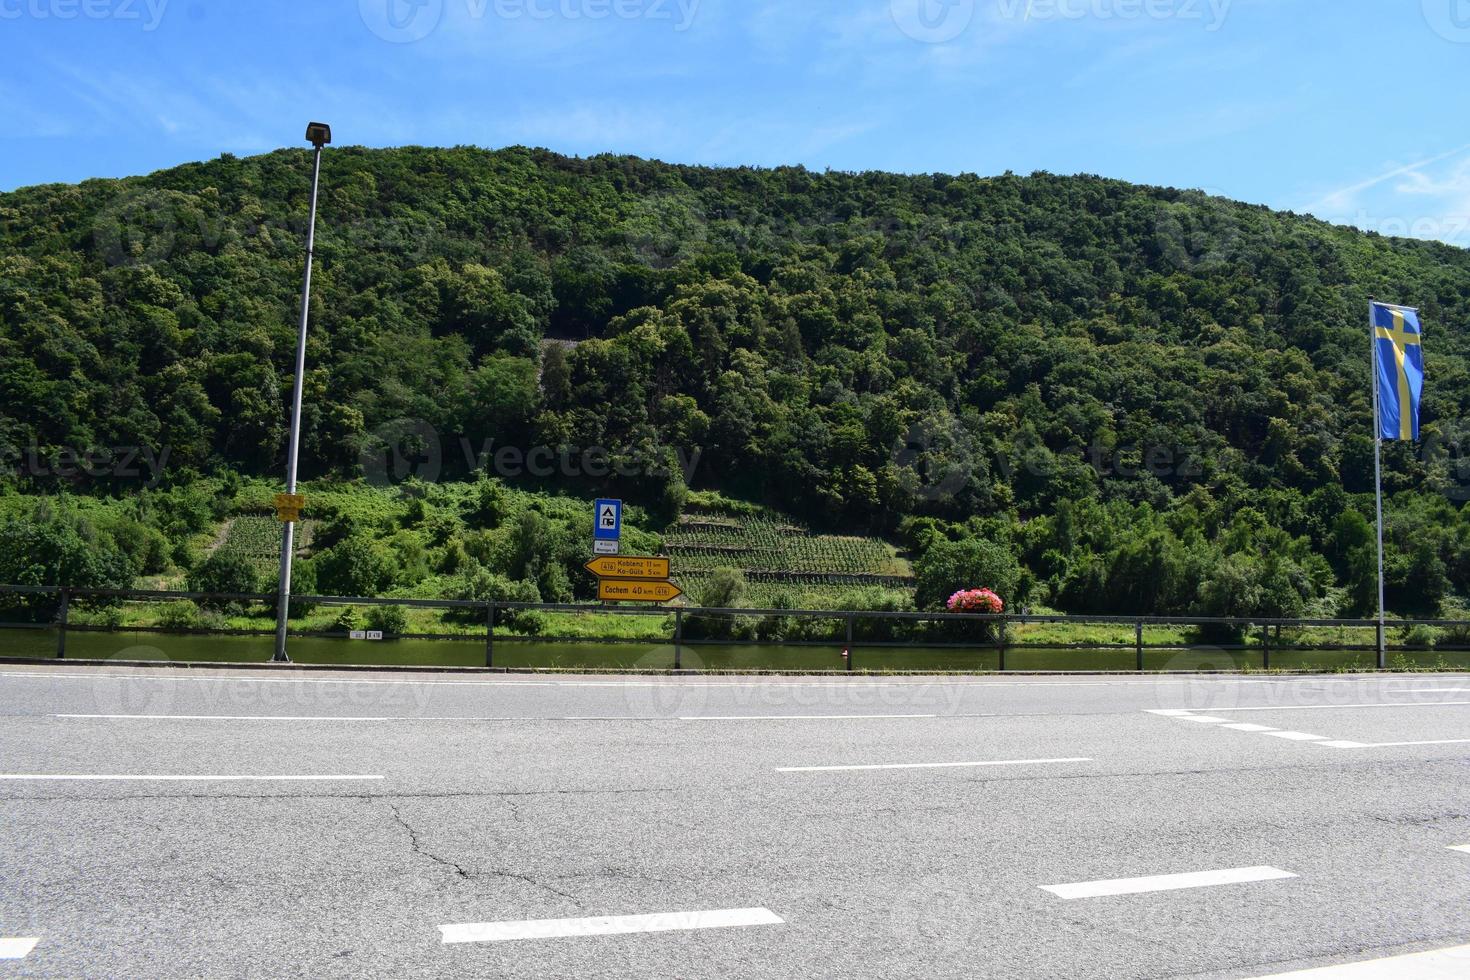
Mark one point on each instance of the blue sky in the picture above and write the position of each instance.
(1354, 110)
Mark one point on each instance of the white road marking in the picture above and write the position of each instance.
(195, 675)
(930, 765)
(796, 717)
(1183, 714)
(1440, 741)
(499, 932)
(1204, 719)
(291, 718)
(1439, 964)
(1462, 848)
(869, 683)
(1334, 707)
(185, 779)
(16, 949)
(1160, 883)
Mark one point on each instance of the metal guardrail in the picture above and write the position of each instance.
(849, 620)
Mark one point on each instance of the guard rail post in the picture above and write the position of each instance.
(850, 617)
(490, 634)
(61, 616)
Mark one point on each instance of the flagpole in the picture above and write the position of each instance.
(1378, 481)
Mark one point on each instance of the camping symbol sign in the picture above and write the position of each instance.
(607, 520)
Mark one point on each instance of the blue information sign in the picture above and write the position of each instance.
(607, 520)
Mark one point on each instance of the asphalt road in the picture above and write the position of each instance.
(331, 825)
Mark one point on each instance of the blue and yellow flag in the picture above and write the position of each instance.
(1400, 348)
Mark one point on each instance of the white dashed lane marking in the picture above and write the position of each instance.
(1163, 883)
(800, 717)
(16, 949)
(1439, 964)
(1340, 707)
(931, 765)
(615, 925)
(1187, 714)
(182, 779)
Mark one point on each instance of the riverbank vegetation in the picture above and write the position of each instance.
(1087, 395)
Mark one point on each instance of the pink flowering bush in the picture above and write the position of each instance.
(976, 601)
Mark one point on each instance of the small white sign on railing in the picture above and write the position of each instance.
(358, 634)
(375, 634)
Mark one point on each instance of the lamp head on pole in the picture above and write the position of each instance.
(318, 134)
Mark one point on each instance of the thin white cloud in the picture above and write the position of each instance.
(1425, 200)
(1343, 197)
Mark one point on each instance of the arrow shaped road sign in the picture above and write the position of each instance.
(612, 590)
(654, 569)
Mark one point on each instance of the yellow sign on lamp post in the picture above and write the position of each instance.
(289, 507)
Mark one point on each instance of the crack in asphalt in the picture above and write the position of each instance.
(609, 873)
(1419, 819)
(462, 873)
(552, 889)
(418, 848)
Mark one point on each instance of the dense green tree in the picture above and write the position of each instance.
(950, 566)
(356, 566)
(50, 553)
(225, 573)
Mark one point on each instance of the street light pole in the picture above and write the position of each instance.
(319, 135)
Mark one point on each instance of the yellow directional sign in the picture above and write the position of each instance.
(655, 569)
(616, 590)
(289, 507)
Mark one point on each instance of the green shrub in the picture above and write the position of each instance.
(107, 617)
(181, 615)
(303, 582)
(454, 559)
(225, 573)
(53, 552)
(1421, 637)
(358, 566)
(876, 599)
(392, 620)
(725, 588)
(949, 566)
(773, 629)
(1456, 636)
(145, 546)
(483, 585)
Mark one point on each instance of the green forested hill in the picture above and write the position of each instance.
(1151, 400)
